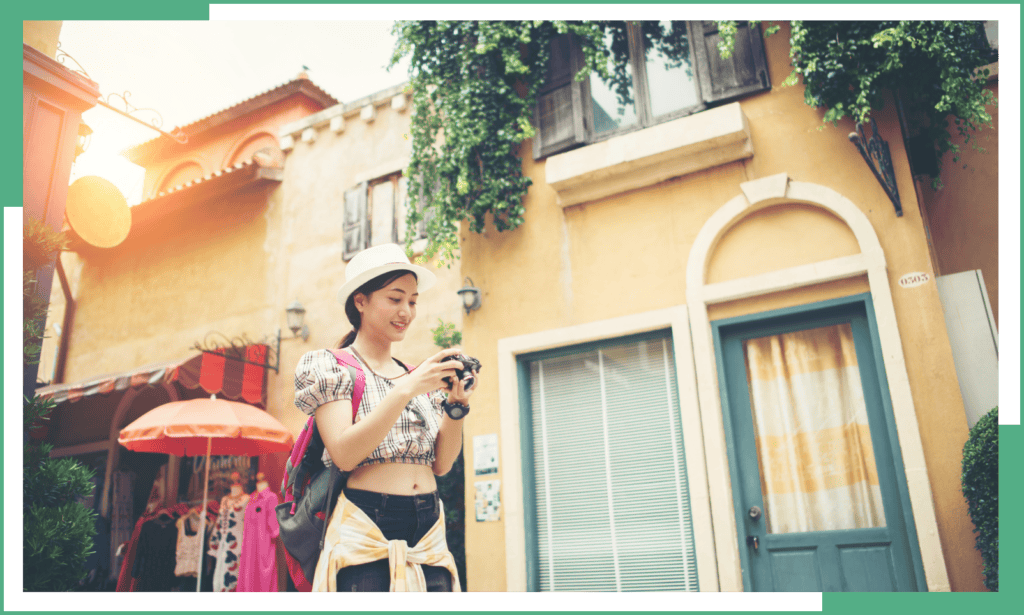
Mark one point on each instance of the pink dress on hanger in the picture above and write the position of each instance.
(257, 566)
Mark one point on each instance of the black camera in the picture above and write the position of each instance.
(465, 374)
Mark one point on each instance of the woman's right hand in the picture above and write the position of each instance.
(429, 375)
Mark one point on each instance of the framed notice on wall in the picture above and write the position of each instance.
(485, 454)
(488, 500)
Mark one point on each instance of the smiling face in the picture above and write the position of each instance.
(388, 312)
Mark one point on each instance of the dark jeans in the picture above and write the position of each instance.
(399, 517)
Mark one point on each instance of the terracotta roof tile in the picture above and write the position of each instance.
(195, 182)
(267, 97)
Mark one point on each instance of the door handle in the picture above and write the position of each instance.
(752, 542)
(754, 512)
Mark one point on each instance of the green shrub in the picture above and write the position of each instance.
(58, 530)
(40, 244)
(445, 334)
(981, 489)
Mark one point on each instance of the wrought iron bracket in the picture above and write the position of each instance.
(875, 151)
(130, 109)
(63, 55)
(234, 348)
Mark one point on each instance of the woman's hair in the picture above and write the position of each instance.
(367, 289)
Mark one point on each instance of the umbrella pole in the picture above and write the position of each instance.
(202, 514)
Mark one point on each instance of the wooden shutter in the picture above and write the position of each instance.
(354, 225)
(402, 209)
(382, 212)
(746, 72)
(610, 494)
(558, 115)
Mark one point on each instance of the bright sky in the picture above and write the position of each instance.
(187, 70)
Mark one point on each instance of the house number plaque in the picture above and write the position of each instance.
(911, 280)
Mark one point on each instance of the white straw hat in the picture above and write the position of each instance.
(379, 260)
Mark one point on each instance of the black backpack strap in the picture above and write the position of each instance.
(327, 504)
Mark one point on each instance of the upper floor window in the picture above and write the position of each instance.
(375, 213)
(665, 69)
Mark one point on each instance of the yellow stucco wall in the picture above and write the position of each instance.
(155, 295)
(233, 266)
(964, 214)
(753, 246)
(43, 35)
(627, 254)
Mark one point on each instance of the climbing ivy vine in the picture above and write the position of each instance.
(847, 66)
(474, 85)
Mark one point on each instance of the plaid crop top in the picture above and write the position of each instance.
(319, 379)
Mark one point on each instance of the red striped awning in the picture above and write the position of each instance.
(226, 377)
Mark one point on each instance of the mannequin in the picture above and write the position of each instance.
(226, 541)
(261, 482)
(236, 485)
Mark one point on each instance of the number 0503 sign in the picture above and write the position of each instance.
(911, 280)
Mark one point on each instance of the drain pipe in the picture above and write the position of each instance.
(69, 316)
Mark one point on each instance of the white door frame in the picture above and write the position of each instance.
(757, 195)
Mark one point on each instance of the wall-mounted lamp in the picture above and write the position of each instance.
(237, 347)
(296, 314)
(470, 296)
(84, 137)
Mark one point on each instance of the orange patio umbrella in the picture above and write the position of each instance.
(206, 426)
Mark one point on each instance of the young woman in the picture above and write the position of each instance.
(401, 437)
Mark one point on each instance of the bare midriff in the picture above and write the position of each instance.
(393, 478)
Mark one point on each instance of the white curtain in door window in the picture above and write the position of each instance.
(811, 429)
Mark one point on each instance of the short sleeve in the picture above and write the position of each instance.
(320, 379)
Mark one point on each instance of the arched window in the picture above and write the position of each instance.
(263, 144)
(181, 174)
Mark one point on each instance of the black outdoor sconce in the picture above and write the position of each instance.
(470, 296)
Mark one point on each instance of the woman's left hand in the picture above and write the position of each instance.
(459, 394)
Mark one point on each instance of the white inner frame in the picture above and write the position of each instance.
(756, 195)
(508, 385)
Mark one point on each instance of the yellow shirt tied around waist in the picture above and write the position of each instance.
(353, 538)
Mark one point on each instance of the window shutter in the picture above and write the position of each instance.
(611, 496)
(382, 213)
(401, 208)
(354, 226)
(558, 115)
(746, 72)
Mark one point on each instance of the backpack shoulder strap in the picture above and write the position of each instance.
(358, 379)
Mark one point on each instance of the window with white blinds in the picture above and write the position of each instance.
(610, 501)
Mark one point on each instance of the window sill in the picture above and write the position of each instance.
(646, 157)
(993, 71)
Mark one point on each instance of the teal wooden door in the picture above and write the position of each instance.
(821, 502)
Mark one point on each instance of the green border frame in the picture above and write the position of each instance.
(1008, 12)
(818, 314)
